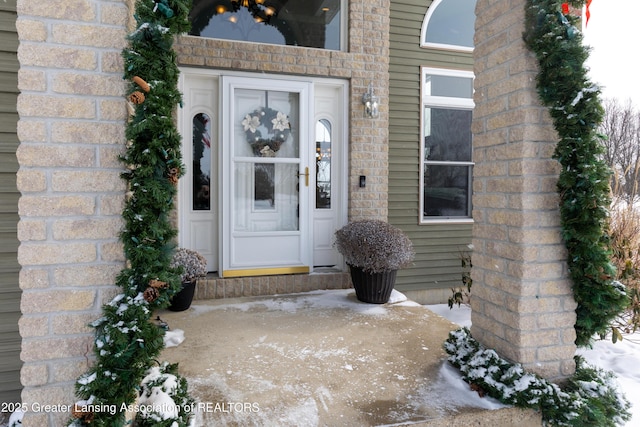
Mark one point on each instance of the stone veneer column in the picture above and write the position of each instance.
(71, 132)
(369, 22)
(522, 304)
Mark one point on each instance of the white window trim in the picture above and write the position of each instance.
(442, 46)
(445, 102)
(344, 26)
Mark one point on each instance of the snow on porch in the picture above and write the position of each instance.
(322, 358)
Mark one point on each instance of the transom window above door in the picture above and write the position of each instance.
(307, 23)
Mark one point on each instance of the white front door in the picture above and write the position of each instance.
(266, 165)
(265, 181)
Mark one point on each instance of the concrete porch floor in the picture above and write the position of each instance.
(323, 358)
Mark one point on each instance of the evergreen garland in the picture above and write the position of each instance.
(589, 398)
(583, 185)
(127, 342)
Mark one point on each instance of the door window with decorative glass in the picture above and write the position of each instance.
(446, 167)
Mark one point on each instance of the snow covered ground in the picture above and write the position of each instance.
(623, 357)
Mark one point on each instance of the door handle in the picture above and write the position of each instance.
(306, 176)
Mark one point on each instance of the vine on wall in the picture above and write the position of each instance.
(127, 343)
(575, 107)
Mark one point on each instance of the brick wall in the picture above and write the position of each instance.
(522, 304)
(71, 131)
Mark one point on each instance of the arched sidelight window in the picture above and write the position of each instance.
(293, 22)
(323, 164)
(449, 24)
(201, 162)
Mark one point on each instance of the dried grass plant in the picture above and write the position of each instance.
(375, 246)
(624, 232)
(193, 264)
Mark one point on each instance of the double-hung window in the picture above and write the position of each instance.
(446, 151)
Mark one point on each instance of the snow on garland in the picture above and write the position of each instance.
(583, 184)
(164, 399)
(127, 342)
(589, 398)
(274, 123)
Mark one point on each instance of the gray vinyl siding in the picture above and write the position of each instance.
(437, 264)
(10, 341)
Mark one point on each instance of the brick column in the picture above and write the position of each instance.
(369, 139)
(71, 132)
(522, 302)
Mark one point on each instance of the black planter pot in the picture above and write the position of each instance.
(374, 288)
(182, 300)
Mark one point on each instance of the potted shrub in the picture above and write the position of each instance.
(374, 250)
(193, 265)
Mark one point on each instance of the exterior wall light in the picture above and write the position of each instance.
(371, 103)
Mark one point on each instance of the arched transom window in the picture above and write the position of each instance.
(449, 24)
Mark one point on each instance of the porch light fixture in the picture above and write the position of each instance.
(371, 103)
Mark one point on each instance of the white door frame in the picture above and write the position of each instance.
(198, 229)
(339, 199)
(331, 105)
